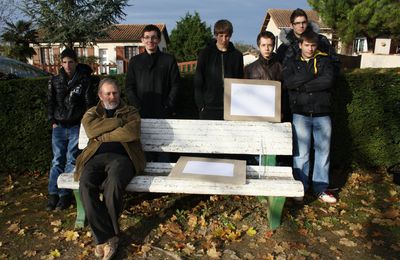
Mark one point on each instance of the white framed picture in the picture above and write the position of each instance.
(252, 100)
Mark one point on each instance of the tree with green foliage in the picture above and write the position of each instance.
(333, 13)
(18, 36)
(188, 37)
(374, 18)
(70, 21)
(352, 18)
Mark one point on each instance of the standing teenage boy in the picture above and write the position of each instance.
(68, 98)
(219, 60)
(152, 80)
(309, 78)
(266, 66)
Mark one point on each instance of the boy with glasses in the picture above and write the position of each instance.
(152, 79)
(299, 24)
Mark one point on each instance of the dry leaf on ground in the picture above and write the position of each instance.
(71, 235)
(347, 242)
(213, 253)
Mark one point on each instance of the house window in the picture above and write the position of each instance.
(360, 45)
(131, 51)
(80, 51)
(46, 56)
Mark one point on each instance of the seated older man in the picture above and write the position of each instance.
(113, 156)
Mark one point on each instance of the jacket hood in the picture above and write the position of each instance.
(287, 36)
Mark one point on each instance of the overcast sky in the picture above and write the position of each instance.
(246, 16)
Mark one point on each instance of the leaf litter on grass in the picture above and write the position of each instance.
(364, 223)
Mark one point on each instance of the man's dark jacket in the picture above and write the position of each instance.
(309, 84)
(289, 49)
(213, 66)
(264, 69)
(152, 84)
(67, 100)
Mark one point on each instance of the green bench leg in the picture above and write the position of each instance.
(274, 213)
(80, 212)
(268, 160)
(275, 204)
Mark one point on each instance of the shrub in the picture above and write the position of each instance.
(366, 120)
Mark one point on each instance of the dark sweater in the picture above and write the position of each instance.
(213, 66)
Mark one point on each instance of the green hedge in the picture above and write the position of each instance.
(366, 120)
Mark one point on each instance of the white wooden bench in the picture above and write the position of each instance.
(211, 137)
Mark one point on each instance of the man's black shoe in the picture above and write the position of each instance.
(52, 202)
(64, 202)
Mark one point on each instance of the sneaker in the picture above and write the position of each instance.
(99, 251)
(110, 248)
(64, 202)
(52, 202)
(298, 200)
(327, 197)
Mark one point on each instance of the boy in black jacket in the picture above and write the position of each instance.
(309, 79)
(219, 60)
(69, 96)
(152, 79)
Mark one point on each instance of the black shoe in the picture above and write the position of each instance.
(64, 202)
(53, 201)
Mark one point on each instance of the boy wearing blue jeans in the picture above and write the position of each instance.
(309, 78)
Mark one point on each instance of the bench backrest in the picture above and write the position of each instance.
(209, 136)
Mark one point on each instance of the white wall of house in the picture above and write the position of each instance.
(163, 44)
(110, 49)
(249, 58)
(370, 60)
(275, 30)
(382, 46)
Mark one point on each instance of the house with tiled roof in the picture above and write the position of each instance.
(122, 42)
(277, 19)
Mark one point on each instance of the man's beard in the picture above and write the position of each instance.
(110, 105)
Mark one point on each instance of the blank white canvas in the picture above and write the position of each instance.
(209, 168)
(252, 100)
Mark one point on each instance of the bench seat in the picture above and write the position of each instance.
(274, 181)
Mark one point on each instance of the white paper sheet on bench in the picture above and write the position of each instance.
(248, 100)
(209, 168)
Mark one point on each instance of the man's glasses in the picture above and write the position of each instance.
(153, 38)
(298, 23)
